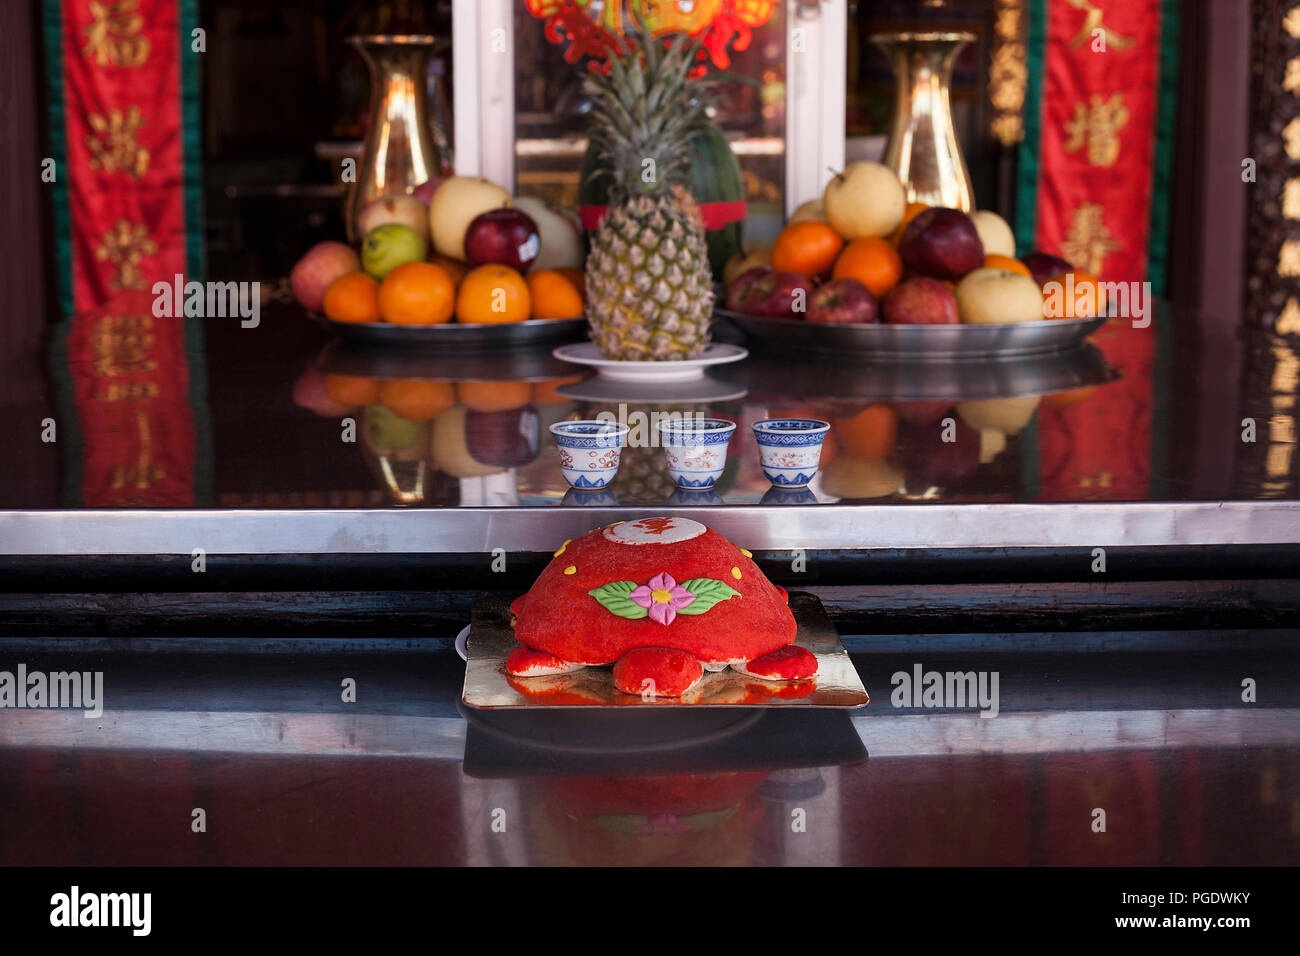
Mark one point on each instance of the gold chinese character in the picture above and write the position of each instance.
(121, 344)
(1098, 124)
(1291, 199)
(1091, 23)
(1088, 242)
(1286, 375)
(1288, 323)
(113, 144)
(1291, 22)
(1288, 259)
(127, 392)
(1291, 82)
(125, 245)
(1292, 136)
(1099, 480)
(113, 36)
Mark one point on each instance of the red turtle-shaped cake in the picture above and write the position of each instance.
(663, 600)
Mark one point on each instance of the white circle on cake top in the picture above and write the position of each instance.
(683, 370)
(654, 531)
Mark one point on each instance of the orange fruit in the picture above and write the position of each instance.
(577, 277)
(418, 293)
(873, 262)
(493, 396)
(910, 212)
(1071, 397)
(995, 261)
(416, 400)
(554, 295)
(453, 267)
(493, 294)
(544, 392)
(353, 390)
(1079, 296)
(870, 434)
(830, 448)
(353, 298)
(808, 248)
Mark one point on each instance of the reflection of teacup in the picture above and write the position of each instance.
(696, 450)
(790, 449)
(681, 498)
(589, 452)
(581, 498)
(788, 496)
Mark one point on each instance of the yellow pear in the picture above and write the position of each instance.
(996, 296)
(865, 201)
(455, 205)
(847, 476)
(1007, 415)
(449, 450)
(995, 234)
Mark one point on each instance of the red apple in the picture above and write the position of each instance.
(740, 292)
(505, 236)
(1044, 265)
(923, 412)
(424, 192)
(843, 302)
(942, 243)
(926, 459)
(920, 301)
(506, 439)
(781, 295)
(323, 263)
(309, 393)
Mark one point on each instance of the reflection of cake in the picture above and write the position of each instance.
(663, 600)
(688, 819)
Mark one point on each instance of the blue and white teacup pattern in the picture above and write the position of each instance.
(696, 450)
(790, 449)
(589, 452)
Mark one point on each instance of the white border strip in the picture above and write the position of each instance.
(443, 738)
(816, 99)
(483, 54)
(474, 530)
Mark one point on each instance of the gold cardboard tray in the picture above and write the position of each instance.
(487, 686)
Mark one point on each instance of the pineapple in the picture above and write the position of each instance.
(649, 286)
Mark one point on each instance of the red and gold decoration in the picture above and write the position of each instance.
(1094, 189)
(1273, 239)
(123, 131)
(1091, 176)
(590, 28)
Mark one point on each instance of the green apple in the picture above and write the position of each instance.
(391, 245)
(388, 434)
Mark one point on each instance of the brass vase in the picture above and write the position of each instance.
(399, 152)
(923, 147)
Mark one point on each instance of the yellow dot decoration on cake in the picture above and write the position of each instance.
(747, 553)
(562, 547)
(571, 569)
(735, 573)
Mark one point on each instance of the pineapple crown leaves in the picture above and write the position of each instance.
(646, 109)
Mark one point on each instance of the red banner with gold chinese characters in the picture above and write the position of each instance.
(1093, 189)
(124, 143)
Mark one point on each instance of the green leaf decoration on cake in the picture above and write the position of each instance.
(614, 598)
(708, 592)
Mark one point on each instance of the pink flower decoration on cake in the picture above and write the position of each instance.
(662, 598)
